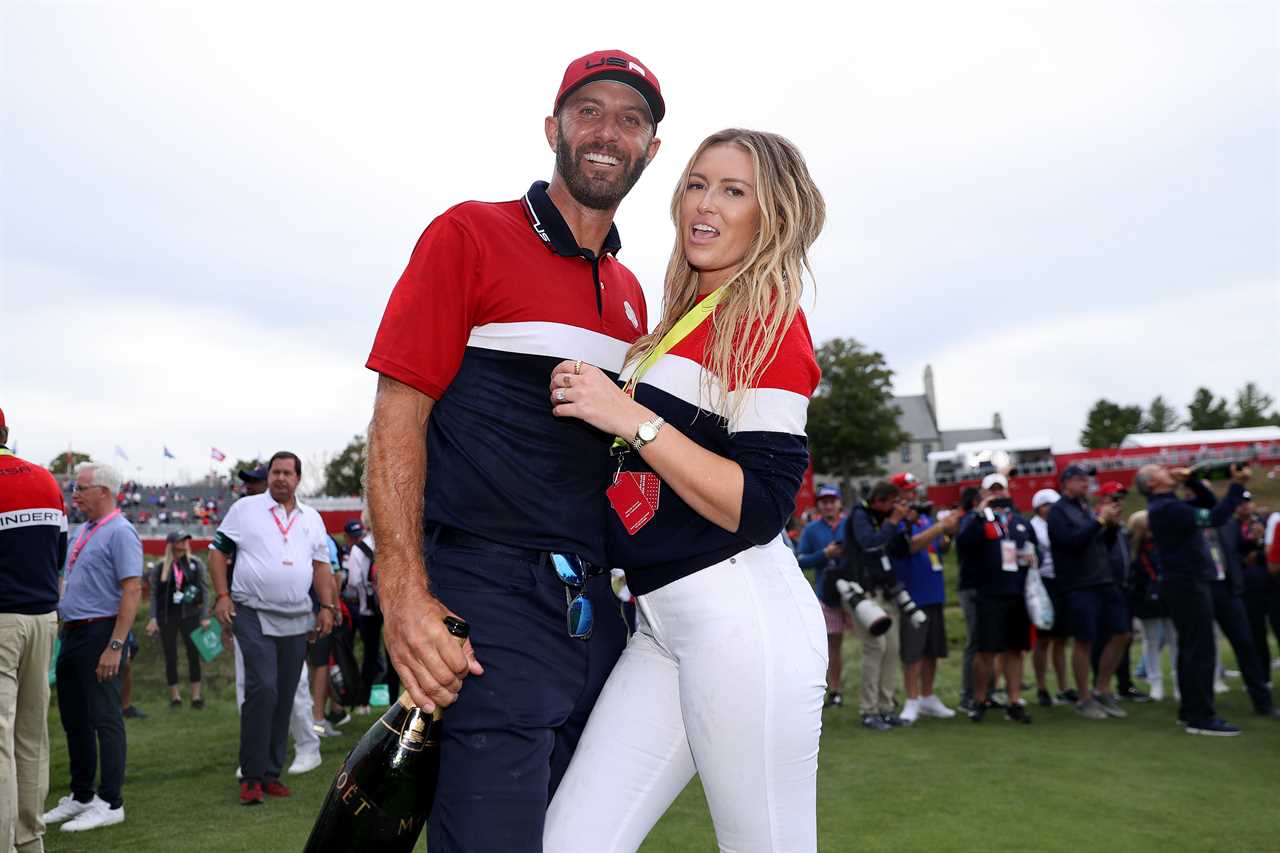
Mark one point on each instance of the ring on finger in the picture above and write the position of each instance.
(577, 367)
(568, 380)
(559, 395)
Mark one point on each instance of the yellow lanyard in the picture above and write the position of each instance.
(686, 324)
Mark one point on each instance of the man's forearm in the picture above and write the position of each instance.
(130, 595)
(396, 476)
(922, 539)
(218, 573)
(326, 586)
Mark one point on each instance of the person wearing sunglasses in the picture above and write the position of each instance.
(179, 604)
(725, 675)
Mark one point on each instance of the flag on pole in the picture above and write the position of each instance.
(217, 454)
(120, 452)
(168, 454)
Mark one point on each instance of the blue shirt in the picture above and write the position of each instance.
(109, 556)
(921, 572)
(815, 537)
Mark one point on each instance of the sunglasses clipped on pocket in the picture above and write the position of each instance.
(573, 572)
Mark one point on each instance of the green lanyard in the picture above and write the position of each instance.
(4, 451)
(686, 324)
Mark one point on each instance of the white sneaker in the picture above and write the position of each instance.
(305, 761)
(910, 711)
(67, 808)
(324, 728)
(1157, 691)
(1221, 687)
(98, 814)
(931, 706)
(237, 774)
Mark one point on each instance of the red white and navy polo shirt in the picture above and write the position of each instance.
(766, 438)
(33, 536)
(495, 295)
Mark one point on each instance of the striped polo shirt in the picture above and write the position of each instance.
(766, 438)
(494, 296)
(33, 536)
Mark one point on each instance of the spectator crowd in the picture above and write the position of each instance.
(1075, 584)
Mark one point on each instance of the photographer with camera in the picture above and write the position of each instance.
(871, 533)
(1096, 607)
(920, 572)
(1233, 545)
(1001, 545)
(821, 548)
(1178, 527)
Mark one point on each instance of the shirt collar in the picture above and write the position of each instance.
(549, 225)
(4, 451)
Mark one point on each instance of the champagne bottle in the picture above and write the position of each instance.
(383, 793)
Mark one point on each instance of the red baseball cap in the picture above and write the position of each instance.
(1112, 488)
(905, 481)
(613, 65)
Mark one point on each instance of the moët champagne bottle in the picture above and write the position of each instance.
(383, 793)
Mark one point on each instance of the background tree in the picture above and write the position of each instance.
(1108, 423)
(1206, 412)
(1253, 408)
(66, 462)
(1160, 417)
(852, 418)
(344, 474)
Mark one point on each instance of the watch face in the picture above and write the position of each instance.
(647, 432)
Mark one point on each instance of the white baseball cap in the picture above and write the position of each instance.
(991, 479)
(1043, 497)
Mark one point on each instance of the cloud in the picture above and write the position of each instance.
(1043, 374)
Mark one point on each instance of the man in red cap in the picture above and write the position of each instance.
(478, 492)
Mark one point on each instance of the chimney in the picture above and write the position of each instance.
(928, 393)
(997, 424)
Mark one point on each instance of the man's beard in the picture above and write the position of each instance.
(594, 194)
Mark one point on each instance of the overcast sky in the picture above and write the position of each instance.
(205, 207)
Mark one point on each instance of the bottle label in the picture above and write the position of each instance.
(354, 800)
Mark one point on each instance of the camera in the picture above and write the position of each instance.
(878, 574)
(869, 615)
(922, 507)
(1001, 503)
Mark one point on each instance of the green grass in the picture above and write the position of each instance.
(1063, 783)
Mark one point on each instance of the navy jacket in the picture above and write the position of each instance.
(869, 540)
(1079, 545)
(1177, 526)
(980, 540)
(1232, 540)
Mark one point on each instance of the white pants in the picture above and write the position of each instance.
(305, 739)
(724, 677)
(1156, 634)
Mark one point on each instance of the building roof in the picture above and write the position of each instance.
(1204, 436)
(1009, 445)
(916, 418)
(953, 437)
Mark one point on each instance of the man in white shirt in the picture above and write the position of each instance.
(281, 553)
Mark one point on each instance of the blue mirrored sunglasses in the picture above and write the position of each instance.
(573, 572)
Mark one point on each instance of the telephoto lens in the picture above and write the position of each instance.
(869, 615)
(910, 610)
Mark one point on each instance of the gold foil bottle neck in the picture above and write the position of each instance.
(415, 733)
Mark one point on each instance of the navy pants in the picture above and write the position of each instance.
(508, 739)
(1228, 611)
(1191, 608)
(90, 711)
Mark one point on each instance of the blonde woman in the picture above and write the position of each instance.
(725, 674)
(179, 604)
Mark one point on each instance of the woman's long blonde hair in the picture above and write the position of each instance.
(1138, 529)
(166, 566)
(763, 294)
